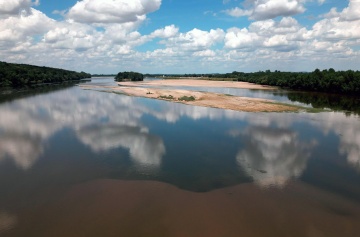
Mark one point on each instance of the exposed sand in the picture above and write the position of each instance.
(198, 83)
(205, 99)
(149, 208)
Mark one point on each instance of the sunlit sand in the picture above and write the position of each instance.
(206, 99)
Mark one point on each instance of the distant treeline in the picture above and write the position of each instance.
(345, 82)
(19, 75)
(131, 76)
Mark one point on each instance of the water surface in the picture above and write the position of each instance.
(77, 162)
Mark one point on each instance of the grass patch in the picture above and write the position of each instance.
(167, 97)
(187, 98)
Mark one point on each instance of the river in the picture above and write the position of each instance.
(77, 162)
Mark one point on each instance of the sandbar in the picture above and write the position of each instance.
(199, 83)
(151, 89)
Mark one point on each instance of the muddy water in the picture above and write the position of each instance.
(77, 162)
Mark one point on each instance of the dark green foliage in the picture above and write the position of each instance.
(169, 97)
(343, 82)
(20, 75)
(187, 98)
(131, 76)
(330, 81)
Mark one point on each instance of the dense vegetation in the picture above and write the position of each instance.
(19, 75)
(344, 82)
(131, 76)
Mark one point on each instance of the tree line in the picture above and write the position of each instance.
(330, 81)
(131, 76)
(19, 75)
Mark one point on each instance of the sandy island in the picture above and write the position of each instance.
(206, 99)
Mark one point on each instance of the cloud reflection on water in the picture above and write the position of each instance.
(24, 150)
(273, 156)
(145, 149)
(106, 121)
(26, 124)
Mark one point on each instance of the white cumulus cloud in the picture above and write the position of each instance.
(16, 29)
(167, 32)
(112, 11)
(14, 7)
(238, 12)
(196, 40)
(268, 9)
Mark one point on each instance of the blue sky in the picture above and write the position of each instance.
(181, 36)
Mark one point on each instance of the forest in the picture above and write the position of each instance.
(20, 75)
(129, 76)
(330, 81)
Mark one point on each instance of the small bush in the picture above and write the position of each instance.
(187, 98)
(167, 97)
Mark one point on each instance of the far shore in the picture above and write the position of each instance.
(197, 98)
(199, 83)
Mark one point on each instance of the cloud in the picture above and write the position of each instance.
(268, 9)
(72, 36)
(18, 28)
(15, 7)
(237, 12)
(205, 53)
(280, 36)
(241, 38)
(112, 11)
(344, 25)
(113, 44)
(167, 32)
(350, 13)
(195, 40)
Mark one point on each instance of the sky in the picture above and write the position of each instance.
(181, 36)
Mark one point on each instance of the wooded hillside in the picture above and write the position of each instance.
(18, 75)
